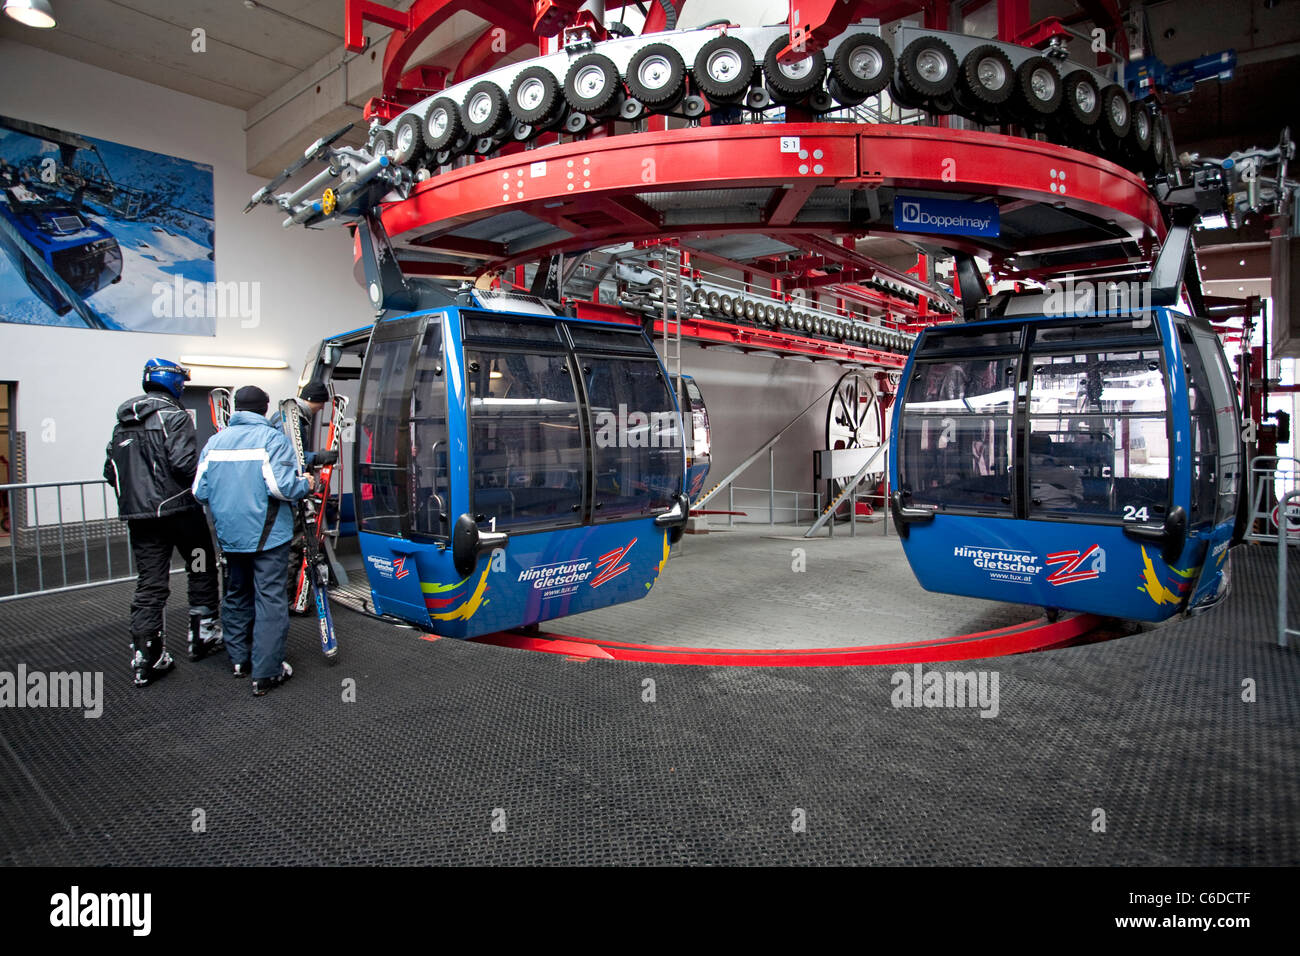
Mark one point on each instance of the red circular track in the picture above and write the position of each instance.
(1019, 639)
(590, 192)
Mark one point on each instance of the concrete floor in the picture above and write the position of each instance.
(856, 590)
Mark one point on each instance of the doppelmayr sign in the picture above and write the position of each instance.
(945, 216)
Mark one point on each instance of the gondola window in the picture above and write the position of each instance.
(1098, 435)
(638, 447)
(528, 463)
(381, 468)
(959, 436)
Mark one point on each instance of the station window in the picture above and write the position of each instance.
(1098, 435)
(384, 410)
(958, 435)
(527, 457)
(636, 437)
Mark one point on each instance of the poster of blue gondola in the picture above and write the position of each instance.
(95, 234)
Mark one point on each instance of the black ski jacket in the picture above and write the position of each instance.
(152, 457)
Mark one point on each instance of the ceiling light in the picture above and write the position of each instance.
(32, 13)
(231, 361)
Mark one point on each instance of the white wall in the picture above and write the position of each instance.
(750, 398)
(75, 378)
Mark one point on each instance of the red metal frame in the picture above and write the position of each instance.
(768, 340)
(1020, 639)
(599, 206)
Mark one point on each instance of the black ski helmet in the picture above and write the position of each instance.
(166, 374)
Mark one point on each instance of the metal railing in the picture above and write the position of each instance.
(772, 507)
(1283, 544)
(1271, 479)
(63, 535)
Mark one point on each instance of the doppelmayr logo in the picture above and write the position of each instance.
(914, 215)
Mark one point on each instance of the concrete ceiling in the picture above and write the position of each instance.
(280, 61)
(252, 49)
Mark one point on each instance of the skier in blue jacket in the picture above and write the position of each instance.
(248, 476)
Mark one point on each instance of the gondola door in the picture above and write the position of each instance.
(401, 382)
(1217, 460)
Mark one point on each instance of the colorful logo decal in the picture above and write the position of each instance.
(610, 563)
(454, 607)
(399, 565)
(1072, 565)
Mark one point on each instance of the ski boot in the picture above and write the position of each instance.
(205, 634)
(262, 685)
(151, 659)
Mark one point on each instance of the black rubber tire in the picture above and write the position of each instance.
(631, 109)
(973, 85)
(442, 124)
(1116, 113)
(904, 97)
(820, 101)
(383, 142)
(722, 89)
(541, 91)
(1032, 103)
(1156, 156)
(597, 100)
(665, 67)
(847, 67)
(810, 72)
(1082, 99)
(485, 112)
(1139, 134)
(910, 76)
(408, 142)
(943, 104)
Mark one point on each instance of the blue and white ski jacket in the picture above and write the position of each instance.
(248, 477)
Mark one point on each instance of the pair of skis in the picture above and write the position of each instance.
(314, 571)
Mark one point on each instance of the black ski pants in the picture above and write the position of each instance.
(152, 543)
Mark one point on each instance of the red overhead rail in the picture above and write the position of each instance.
(592, 190)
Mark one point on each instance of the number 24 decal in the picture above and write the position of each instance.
(1134, 513)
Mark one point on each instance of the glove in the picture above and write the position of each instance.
(326, 457)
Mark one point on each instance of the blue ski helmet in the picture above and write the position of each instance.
(167, 374)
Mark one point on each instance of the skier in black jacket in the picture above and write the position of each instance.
(150, 462)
